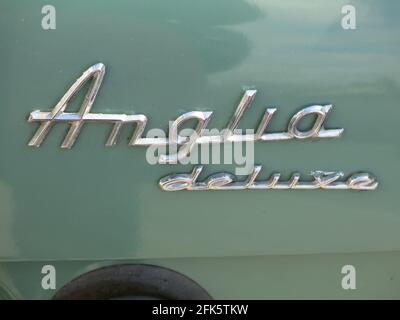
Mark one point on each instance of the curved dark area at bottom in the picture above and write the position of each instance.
(132, 281)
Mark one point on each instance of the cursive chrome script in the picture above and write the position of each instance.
(189, 181)
(47, 119)
(228, 181)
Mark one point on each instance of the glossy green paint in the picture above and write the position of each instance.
(264, 277)
(164, 58)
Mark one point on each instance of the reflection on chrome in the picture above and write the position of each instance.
(218, 181)
(228, 181)
(96, 72)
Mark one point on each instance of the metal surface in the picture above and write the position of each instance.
(226, 181)
(220, 181)
(167, 58)
(48, 119)
(106, 198)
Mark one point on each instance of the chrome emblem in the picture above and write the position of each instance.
(188, 181)
(228, 181)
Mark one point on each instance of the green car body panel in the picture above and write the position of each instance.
(92, 205)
